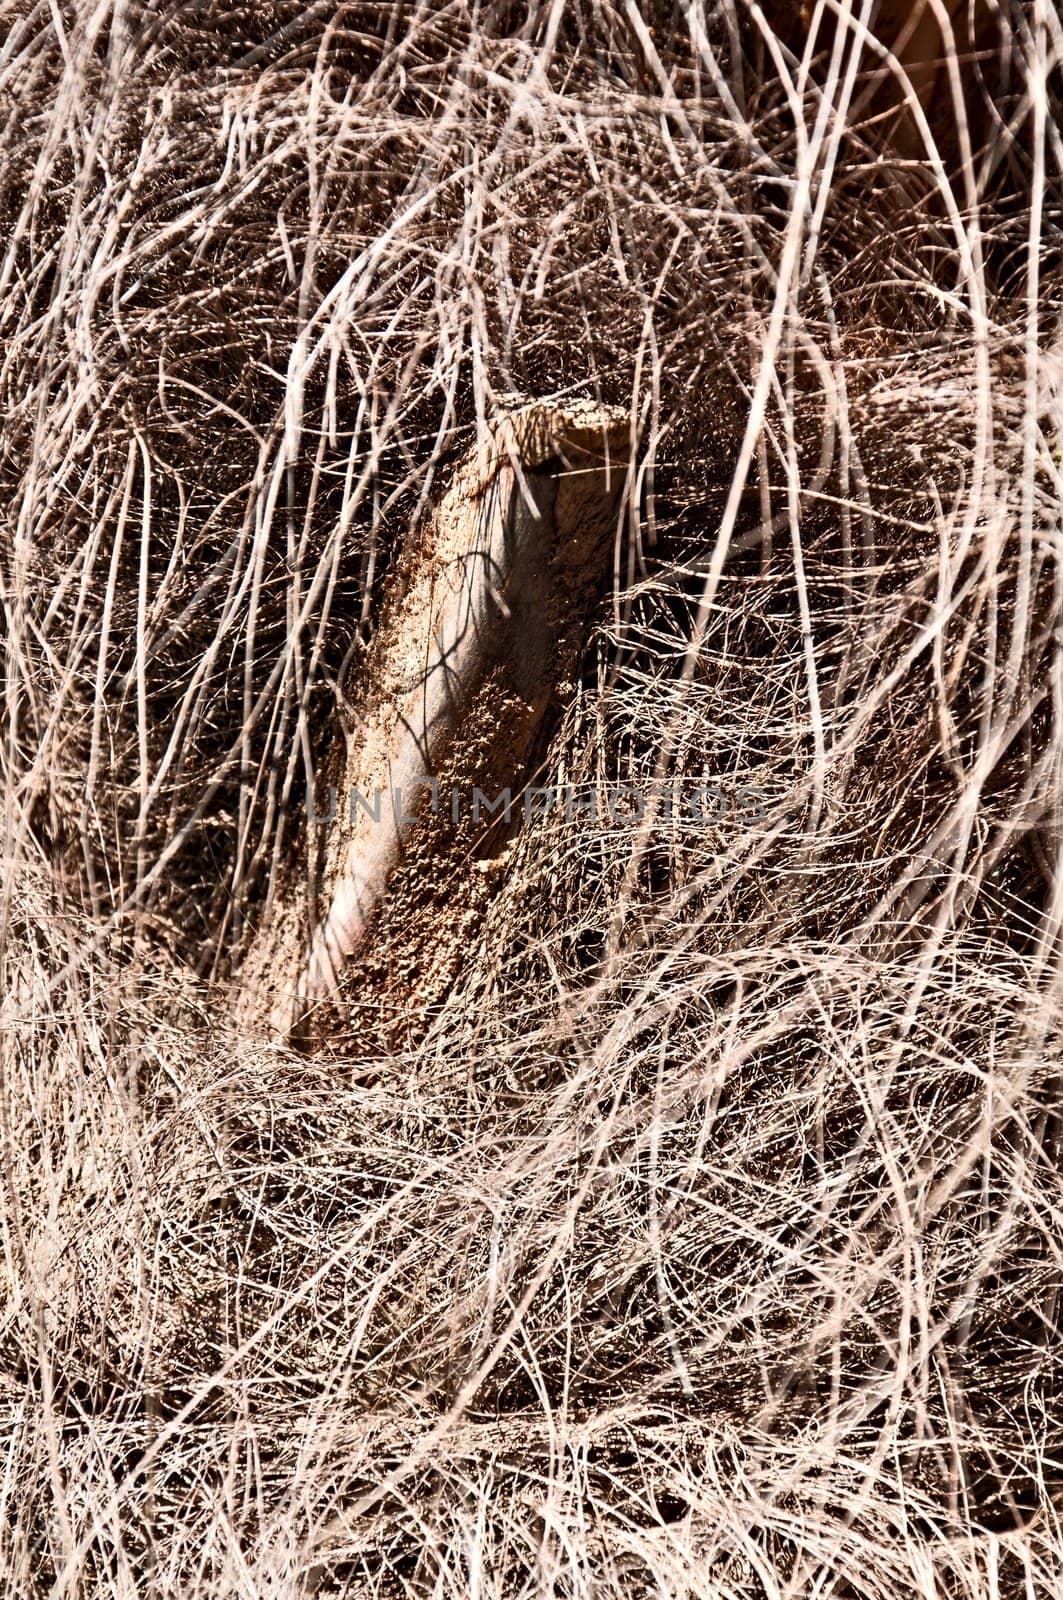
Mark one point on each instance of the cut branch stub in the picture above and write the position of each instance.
(488, 624)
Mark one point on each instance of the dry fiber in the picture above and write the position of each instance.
(706, 1238)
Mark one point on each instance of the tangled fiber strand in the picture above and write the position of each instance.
(708, 1241)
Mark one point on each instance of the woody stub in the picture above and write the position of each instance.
(484, 626)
